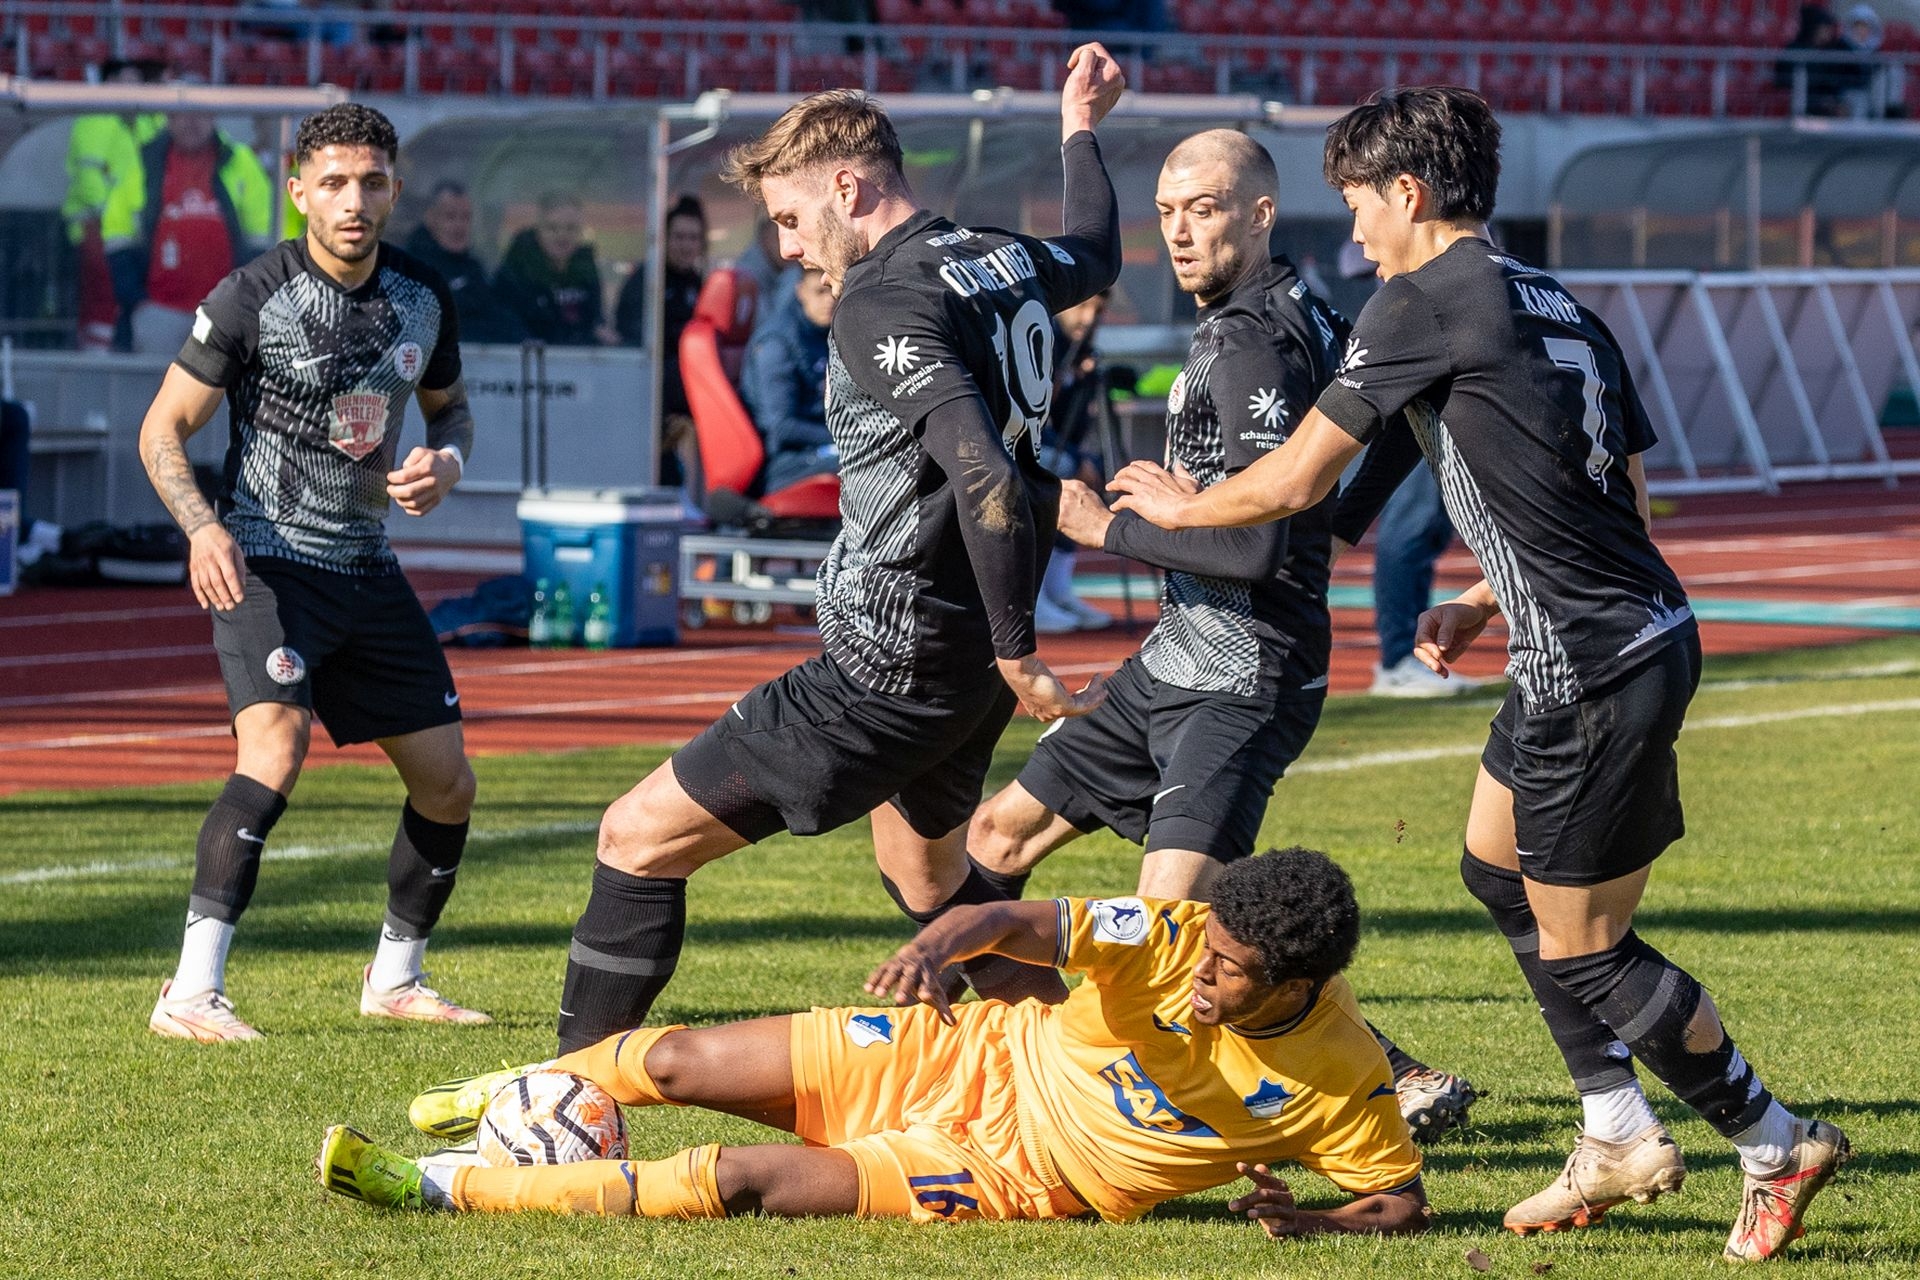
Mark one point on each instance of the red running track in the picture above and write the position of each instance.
(111, 687)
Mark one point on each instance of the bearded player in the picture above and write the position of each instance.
(318, 346)
(938, 380)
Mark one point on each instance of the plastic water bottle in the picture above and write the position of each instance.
(562, 619)
(540, 623)
(597, 631)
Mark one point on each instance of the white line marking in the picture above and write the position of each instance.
(105, 655)
(1747, 519)
(1347, 764)
(1774, 573)
(1417, 755)
(289, 853)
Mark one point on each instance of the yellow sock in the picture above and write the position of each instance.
(592, 1186)
(684, 1185)
(618, 1064)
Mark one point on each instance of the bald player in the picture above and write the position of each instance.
(1228, 687)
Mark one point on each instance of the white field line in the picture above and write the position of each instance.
(288, 853)
(1747, 519)
(1345, 764)
(1776, 573)
(72, 659)
(1417, 755)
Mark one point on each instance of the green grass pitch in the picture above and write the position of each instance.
(1796, 898)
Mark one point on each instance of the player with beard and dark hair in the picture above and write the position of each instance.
(939, 376)
(318, 346)
(1521, 401)
(1199, 725)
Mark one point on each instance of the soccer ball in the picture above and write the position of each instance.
(551, 1117)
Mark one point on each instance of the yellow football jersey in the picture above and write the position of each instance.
(1140, 1104)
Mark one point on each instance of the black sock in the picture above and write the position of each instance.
(993, 977)
(1648, 1001)
(420, 871)
(226, 862)
(1403, 1063)
(1593, 1056)
(1011, 886)
(623, 955)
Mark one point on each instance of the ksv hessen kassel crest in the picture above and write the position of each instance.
(359, 423)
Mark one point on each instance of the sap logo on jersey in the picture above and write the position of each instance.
(866, 1029)
(1144, 1104)
(409, 360)
(285, 666)
(1120, 920)
(359, 423)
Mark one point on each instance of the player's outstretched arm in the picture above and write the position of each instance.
(1085, 257)
(1270, 1204)
(429, 473)
(1289, 479)
(184, 404)
(1094, 83)
(1027, 931)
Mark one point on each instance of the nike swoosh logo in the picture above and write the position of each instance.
(736, 710)
(1169, 791)
(451, 699)
(310, 361)
(441, 873)
(566, 1013)
(249, 837)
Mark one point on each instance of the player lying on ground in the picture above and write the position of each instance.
(939, 377)
(1203, 1039)
(319, 344)
(1521, 402)
(1228, 687)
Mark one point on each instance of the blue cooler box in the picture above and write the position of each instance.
(625, 539)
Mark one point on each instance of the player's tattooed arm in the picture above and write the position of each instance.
(215, 566)
(449, 419)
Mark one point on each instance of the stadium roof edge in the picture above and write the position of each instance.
(67, 96)
(718, 105)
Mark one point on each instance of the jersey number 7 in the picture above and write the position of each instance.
(1576, 356)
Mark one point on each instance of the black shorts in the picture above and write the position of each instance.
(815, 750)
(1173, 767)
(1596, 786)
(356, 651)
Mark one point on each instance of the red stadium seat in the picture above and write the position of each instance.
(731, 450)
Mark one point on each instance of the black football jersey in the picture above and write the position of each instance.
(318, 378)
(1522, 403)
(934, 314)
(1258, 359)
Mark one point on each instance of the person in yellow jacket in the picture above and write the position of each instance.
(198, 205)
(103, 151)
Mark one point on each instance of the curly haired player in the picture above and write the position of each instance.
(1203, 1039)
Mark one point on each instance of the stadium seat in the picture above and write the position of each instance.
(731, 450)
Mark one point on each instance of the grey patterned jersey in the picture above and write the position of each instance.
(317, 380)
(1244, 611)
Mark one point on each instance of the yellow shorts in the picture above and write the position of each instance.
(926, 1111)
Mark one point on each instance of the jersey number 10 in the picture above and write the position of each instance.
(1026, 358)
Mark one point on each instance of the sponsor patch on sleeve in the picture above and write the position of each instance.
(1119, 920)
(202, 324)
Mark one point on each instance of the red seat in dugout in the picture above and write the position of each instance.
(731, 449)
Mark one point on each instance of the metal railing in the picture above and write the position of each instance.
(601, 58)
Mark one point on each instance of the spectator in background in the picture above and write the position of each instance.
(1070, 448)
(444, 241)
(103, 151)
(198, 205)
(684, 250)
(783, 382)
(1827, 82)
(1878, 89)
(550, 281)
(773, 276)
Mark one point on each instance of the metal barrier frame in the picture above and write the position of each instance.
(1807, 438)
